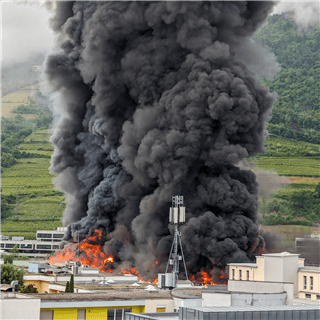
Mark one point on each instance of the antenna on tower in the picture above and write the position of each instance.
(177, 216)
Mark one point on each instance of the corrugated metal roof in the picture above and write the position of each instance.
(258, 308)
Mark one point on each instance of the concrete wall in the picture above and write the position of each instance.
(262, 287)
(190, 303)
(216, 299)
(21, 309)
(290, 270)
(259, 270)
(258, 299)
(152, 305)
(273, 269)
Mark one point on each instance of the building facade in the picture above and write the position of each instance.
(46, 242)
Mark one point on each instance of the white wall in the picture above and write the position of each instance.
(20, 309)
(258, 299)
(290, 267)
(273, 269)
(189, 303)
(216, 299)
(152, 305)
(262, 287)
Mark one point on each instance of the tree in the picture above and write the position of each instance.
(317, 190)
(10, 273)
(8, 259)
(67, 287)
(29, 289)
(71, 287)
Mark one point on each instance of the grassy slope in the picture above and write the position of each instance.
(290, 158)
(38, 205)
(12, 100)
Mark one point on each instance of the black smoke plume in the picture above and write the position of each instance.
(153, 102)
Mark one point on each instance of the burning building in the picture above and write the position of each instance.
(151, 101)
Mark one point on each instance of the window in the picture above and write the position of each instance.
(48, 240)
(240, 274)
(233, 274)
(304, 282)
(81, 314)
(308, 296)
(299, 243)
(55, 247)
(59, 236)
(118, 314)
(311, 283)
(10, 245)
(44, 235)
(318, 296)
(2, 245)
(26, 246)
(247, 274)
(43, 246)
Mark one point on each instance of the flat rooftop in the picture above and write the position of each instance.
(281, 254)
(254, 265)
(112, 294)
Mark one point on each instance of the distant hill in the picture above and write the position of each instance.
(296, 114)
(19, 75)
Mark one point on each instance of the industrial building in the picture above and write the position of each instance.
(309, 248)
(301, 312)
(46, 242)
(111, 304)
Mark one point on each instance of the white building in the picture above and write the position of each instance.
(46, 242)
(275, 279)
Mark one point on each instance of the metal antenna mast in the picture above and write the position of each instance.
(177, 216)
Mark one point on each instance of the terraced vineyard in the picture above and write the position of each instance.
(290, 158)
(37, 205)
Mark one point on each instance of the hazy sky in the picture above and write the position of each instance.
(25, 29)
(25, 26)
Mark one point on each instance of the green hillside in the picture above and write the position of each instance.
(28, 193)
(299, 202)
(296, 114)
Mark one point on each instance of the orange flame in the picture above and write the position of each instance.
(91, 254)
(205, 278)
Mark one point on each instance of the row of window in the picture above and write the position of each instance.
(240, 274)
(113, 314)
(44, 235)
(27, 246)
(305, 282)
(49, 235)
(11, 245)
(46, 246)
(308, 296)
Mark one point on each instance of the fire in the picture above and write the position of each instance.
(205, 278)
(91, 253)
(108, 259)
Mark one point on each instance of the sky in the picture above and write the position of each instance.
(25, 26)
(25, 30)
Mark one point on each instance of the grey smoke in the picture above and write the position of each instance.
(269, 181)
(154, 102)
(304, 13)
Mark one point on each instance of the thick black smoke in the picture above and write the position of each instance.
(153, 102)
